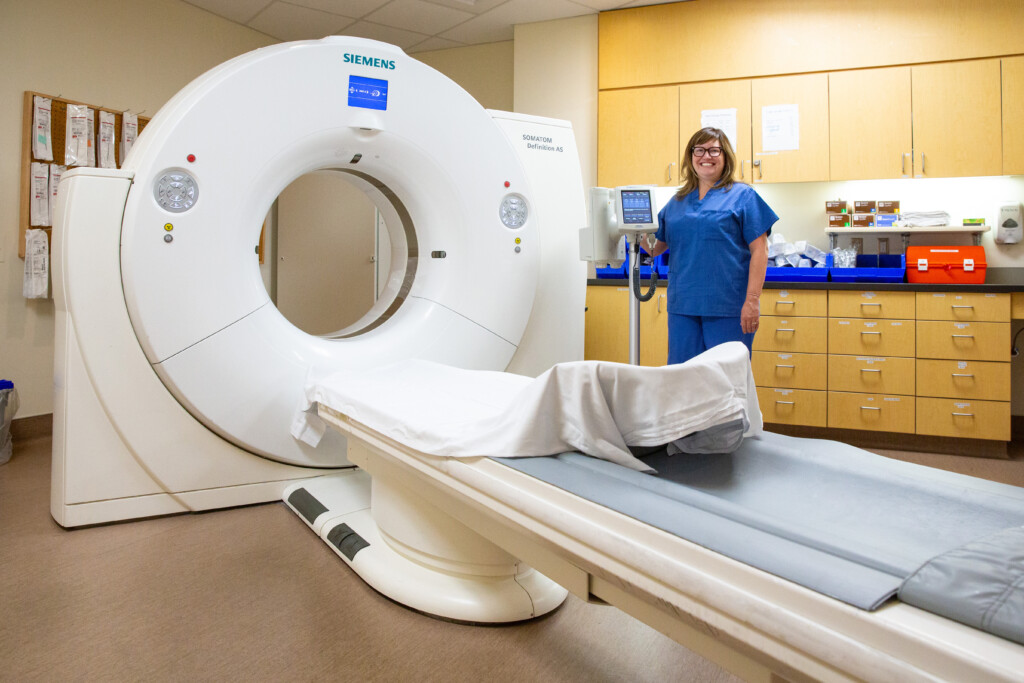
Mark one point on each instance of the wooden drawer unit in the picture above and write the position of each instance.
(962, 418)
(871, 374)
(866, 304)
(791, 333)
(860, 337)
(963, 379)
(873, 412)
(963, 341)
(793, 406)
(795, 302)
(790, 370)
(964, 306)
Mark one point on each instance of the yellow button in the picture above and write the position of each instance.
(518, 241)
(168, 227)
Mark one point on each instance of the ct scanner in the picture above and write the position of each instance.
(177, 379)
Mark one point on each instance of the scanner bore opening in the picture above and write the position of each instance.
(342, 253)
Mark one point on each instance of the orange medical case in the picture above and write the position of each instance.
(945, 265)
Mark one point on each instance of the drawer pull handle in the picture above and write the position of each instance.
(784, 329)
(785, 366)
(784, 301)
(870, 303)
(963, 414)
(870, 370)
(869, 408)
(962, 374)
(868, 332)
(786, 403)
(962, 306)
(964, 336)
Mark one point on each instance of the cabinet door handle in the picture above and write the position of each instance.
(964, 336)
(961, 374)
(785, 366)
(757, 165)
(869, 332)
(784, 301)
(784, 329)
(869, 408)
(963, 414)
(870, 370)
(870, 303)
(922, 163)
(903, 163)
(962, 306)
(659, 302)
(742, 161)
(785, 403)
(670, 167)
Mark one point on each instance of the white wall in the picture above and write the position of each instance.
(110, 53)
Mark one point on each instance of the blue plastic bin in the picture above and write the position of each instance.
(790, 274)
(873, 268)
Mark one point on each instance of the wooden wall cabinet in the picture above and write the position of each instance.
(957, 119)
(696, 98)
(1013, 115)
(606, 326)
(638, 137)
(870, 124)
(809, 161)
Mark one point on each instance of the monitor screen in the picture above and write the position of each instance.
(637, 208)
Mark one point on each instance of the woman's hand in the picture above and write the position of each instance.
(751, 314)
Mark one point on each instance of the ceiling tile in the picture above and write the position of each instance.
(498, 24)
(239, 11)
(291, 22)
(386, 34)
(357, 9)
(415, 15)
(474, 6)
(434, 43)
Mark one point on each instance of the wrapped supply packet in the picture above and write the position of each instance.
(105, 144)
(36, 283)
(42, 140)
(129, 132)
(813, 253)
(76, 140)
(56, 172)
(39, 211)
(91, 136)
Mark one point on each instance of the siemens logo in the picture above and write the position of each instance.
(369, 61)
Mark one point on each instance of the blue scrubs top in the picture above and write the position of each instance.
(709, 248)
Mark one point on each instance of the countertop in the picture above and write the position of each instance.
(996, 280)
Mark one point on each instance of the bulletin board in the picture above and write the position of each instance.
(58, 128)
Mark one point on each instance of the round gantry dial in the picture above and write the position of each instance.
(513, 211)
(176, 191)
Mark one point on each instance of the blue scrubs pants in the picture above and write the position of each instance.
(692, 335)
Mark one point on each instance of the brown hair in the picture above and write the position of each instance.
(690, 180)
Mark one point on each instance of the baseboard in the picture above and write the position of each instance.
(978, 448)
(25, 428)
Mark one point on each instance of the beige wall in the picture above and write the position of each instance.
(484, 71)
(107, 52)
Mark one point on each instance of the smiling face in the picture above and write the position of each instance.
(708, 161)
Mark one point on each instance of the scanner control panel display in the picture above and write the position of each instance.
(637, 207)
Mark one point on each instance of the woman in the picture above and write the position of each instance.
(716, 231)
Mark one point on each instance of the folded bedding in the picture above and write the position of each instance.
(604, 410)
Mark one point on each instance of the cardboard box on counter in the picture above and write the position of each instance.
(889, 206)
(839, 220)
(886, 220)
(863, 220)
(838, 206)
(865, 206)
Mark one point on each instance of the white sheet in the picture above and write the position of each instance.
(594, 407)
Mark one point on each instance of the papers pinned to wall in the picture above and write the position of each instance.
(39, 210)
(36, 283)
(42, 139)
(780, 128)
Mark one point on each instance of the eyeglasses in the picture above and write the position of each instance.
(710, 151)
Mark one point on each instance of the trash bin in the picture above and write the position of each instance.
(8, 406)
